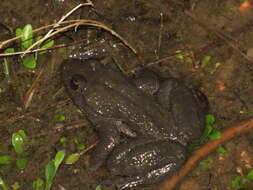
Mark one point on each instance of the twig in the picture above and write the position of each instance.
(138, 67)
(222, 36)
(160, 37)
(42, 49)
(57, 25)
(32, 89)
(73, 24)
(61, 127)
(231, 132)
(87, 149)
(4, 43)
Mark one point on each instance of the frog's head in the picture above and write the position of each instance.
(76, 74)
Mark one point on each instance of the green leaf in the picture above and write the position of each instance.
(60, 117)
(250, 175)
(6, 69)
(38, 38)
(210, 119)
(99, 187)
(206, 59)
(50, 173)
(3, 185)
(38, 184)
(26, 38)
(18, 143)
(9, 50)
(237, 182)
(71, 159)
(22, 134)
(63, 139)
(221, 150)
(21, 163)
(5, 159)
(206, 133)
(15, 186)
(206, 163)
(29, 62)
(59, 158)
(81, 146)
(215, 135)
(19, 32)
(47, 44)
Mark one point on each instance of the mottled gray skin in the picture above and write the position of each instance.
(142, 134)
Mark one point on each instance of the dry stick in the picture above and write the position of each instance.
(61, 127)
(138, 67)
(221, 35)
(31, 91)
(57, 24)
(4, 43)
(76, 23)
(43, 49)
(160, 37)
(206, 149)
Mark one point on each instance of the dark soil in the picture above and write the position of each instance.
(156, 29)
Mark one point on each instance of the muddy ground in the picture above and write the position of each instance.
(219, 30)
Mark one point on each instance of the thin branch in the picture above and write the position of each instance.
(233, 131)
(57, 25)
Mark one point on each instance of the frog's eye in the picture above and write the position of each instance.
(77, 82)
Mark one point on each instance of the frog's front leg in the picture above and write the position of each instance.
(108, 139)
(109, 131)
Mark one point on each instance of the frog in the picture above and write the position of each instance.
(142, 133)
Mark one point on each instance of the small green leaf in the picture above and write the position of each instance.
(50, 173)
(99, 187)
(59, 158)
(15, 186)
(21, 163)
(221, 150)
(38, 38)
(81, 146)
(3, 185)
(215, 135)
(22, 134)
(210, 119)
(19, 32)
(6, 69)
(5, 159)
(180, 57)
(47, 44)
(250, 175)
(237, 182)
(29, 62)
(71, 159)
(206, 163)
(60, 117)
(206, 60)
(18, 143)
(208, 130)
(9, 50)
(26, 38)
(38, 184)
(63, 139)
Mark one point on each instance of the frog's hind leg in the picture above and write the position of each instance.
(145, 162)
